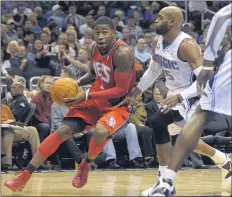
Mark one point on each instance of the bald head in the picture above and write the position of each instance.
(173, 13)
(169, 19)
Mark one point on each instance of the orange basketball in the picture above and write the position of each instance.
(63, 88)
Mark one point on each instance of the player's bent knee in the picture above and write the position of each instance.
(100, 133)
(64, 131)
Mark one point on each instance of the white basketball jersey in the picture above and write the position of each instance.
(178, 73)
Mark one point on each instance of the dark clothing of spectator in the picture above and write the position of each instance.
(20, 107)
(17, 18)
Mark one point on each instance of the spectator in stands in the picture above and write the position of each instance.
(63, 40)
(20, 17)
(148, 41)
(35, 27)
(45, 38)
(140, 53)
(67, 72)
(28, 39)
(13, 48)
(5, 63)
(20, 32)
(87, 39)
(43, 103)
(71, 23)
(82, 66)
(138, 19)
(119, 13)
(10, 135)
(127, 36)
(18, 112)
(88, 23)
(72, 10)
(39, 55)
(135, 30)
(4, 37)
(115, 19)
(26, 9)
(145, 133)
(42, 22)
(101, 11)
(73, 42)
(135, 155)
(57, 16)
(28, 25)
(18, 104)
(20, 62)
(11, 33)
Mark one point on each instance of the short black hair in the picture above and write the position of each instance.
(25, 33)
(104, 20)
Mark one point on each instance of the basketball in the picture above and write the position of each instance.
(63, 88)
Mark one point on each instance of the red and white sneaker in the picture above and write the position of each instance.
(81, 177)
(18, 183)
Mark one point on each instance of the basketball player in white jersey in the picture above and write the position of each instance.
(179, 56)
(216, 98)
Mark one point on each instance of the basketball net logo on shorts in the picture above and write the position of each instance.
(111, 122)
(102, 71)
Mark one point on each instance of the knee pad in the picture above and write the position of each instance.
(160, 131)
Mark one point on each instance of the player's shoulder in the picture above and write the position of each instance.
(122, 50)
(188, 44)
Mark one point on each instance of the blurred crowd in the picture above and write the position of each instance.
(43, 40)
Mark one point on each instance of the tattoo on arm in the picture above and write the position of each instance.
(123, 60)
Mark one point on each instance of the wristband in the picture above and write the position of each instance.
(87, 95)
(207, 68)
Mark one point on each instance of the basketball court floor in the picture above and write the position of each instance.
(119, 183)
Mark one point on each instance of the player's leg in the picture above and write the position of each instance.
(107, 125)
(159, 123)
(46, 148)
(186, 142)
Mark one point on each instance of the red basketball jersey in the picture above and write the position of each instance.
(104, 69)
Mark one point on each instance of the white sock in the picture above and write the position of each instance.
(219, 157)
(169, 174)
(162, 169)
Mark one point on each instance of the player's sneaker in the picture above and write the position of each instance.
(148, 191)
(18, 183)
(81, 177)
(164, 187)
(226, 173)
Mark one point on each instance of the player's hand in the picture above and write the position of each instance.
(168, 103)
(129, 101)
(202, 78)
(81, 96)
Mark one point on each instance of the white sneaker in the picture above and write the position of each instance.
(148, 191)
(226, 173)
(164, 187)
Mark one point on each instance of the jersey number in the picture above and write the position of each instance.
(169, 75)
(102, 71)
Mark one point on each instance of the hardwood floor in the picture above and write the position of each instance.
(118, 183)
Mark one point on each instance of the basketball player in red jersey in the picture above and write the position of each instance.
(113, 76)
